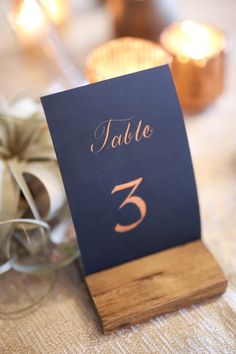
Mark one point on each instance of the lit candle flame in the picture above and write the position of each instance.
(193, 40)
(30, 20)
(57, 10)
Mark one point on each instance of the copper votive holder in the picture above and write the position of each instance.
(123, 56)
(198, 52)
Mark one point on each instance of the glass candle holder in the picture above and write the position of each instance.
(123, 56)
(38, 41)
(141, 18)
(198, 51)
(29, 18)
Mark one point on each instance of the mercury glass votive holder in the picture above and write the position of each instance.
(198, 67)
(123, 56)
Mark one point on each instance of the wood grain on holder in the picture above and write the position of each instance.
(153, 285)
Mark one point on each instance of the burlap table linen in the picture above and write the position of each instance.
(66, 323)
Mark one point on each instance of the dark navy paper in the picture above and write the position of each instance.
(125, 162)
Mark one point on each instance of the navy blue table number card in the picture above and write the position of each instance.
(126, 166)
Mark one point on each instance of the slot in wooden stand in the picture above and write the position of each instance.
(153, 285)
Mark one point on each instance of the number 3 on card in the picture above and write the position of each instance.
(131, 199)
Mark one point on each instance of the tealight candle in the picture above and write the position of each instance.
(30, 22)
(198, 52)
(57, 10)
(123, 56)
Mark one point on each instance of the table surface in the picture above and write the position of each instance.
(65, 322)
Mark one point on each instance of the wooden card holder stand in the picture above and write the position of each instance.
(156, 284)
